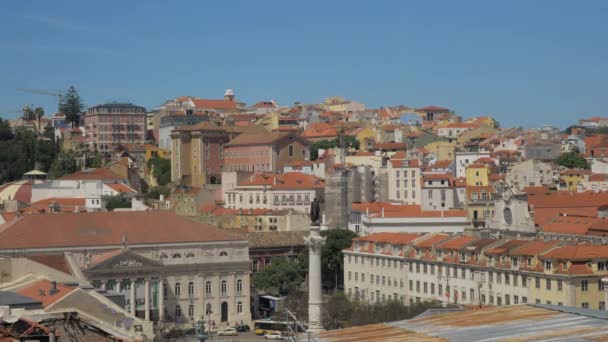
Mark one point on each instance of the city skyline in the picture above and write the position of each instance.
(524, 64)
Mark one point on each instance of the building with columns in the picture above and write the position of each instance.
(166, 267)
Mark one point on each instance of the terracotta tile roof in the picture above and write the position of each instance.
(364, 154)
(598, 177)
(506, 247)
(457, 242)
(432, 109)
(260, 139)
(479, 189)
(399, 155)
(579, 252)
(214, 104)
(536, 190)
(579, 225)
(534, 247)
(320, 130)
(372, 207)
(392, 238)
(276, 239)
(398, 163)
(40, 292)
(66, 205)
(431, 241)
(106, 229)
(289, 180)
(485, 160)
(461, 125)
(547, 206)
(575, 172)
(460, 182)
(93, 174)
(121, 188)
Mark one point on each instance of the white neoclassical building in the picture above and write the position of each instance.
(162, 266)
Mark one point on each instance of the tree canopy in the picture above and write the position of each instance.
(332, 259)
(21, 151)
(161, 169)
(113, 202)
(63, 164)
(338, 311)
(573, 160)
(279, 278)
(349, 142)
(71, 105)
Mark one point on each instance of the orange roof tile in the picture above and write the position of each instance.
(289, 180)
(106, 229)
(214, 104)
(392, 238)
(580, 252)
(457, 242)
(121, 188)
(93, 174)
(40, 291)
(428, 242)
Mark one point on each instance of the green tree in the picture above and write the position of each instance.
(573, 160)
(332, 259)
(161, 170)
(71, 105)
(63, 164)
(38, 114)
(155, 192)
(113, 202)
(280, 278)
(6, 133)
(349, 142)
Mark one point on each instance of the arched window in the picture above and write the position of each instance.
(223, 253)
(208, 288)
(176, 255)
(239, 307)
(189, 255)
(163, 256)
(190, 289)
(239, 286)
(224, 287)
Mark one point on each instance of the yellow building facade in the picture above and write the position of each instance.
(443, 150)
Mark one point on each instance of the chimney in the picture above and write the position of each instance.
(382, 211)
(367, 211)
(53, 288)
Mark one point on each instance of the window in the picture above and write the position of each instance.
(177, 289)
(537, 282)
(178, 311)
(417, 285)
(208, 309)
(559, 285)
(548, 284)
(584, 285)
(432, 288)
(239, 307)
(507, 279)
(208, 288)
(291, 150)
(524, 300)
(239, 286)
(524, 281)
(585, 305)
(515, 299)
(191, 311)
(190, 289)
(602, 306)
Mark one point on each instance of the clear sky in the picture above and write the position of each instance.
(524, 62)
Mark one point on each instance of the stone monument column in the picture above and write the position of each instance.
(314, 242)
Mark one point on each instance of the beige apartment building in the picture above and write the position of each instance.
(404, 180)
(111, 124)
(475, 271)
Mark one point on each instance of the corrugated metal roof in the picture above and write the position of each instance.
(512, 323)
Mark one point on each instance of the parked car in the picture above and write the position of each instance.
(242, 328)
(213, 330)
(228, 332)
(274, 336)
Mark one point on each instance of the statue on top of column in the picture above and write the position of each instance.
(315, 212)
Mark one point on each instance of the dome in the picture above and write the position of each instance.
(229, 92)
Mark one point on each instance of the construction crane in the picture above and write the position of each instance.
(55, 93)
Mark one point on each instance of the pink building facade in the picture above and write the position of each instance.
(108, 125)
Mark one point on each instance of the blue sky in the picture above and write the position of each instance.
(524, 62)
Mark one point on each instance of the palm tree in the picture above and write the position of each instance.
(38, 114)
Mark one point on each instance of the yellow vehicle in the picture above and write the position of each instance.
(263, 327)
